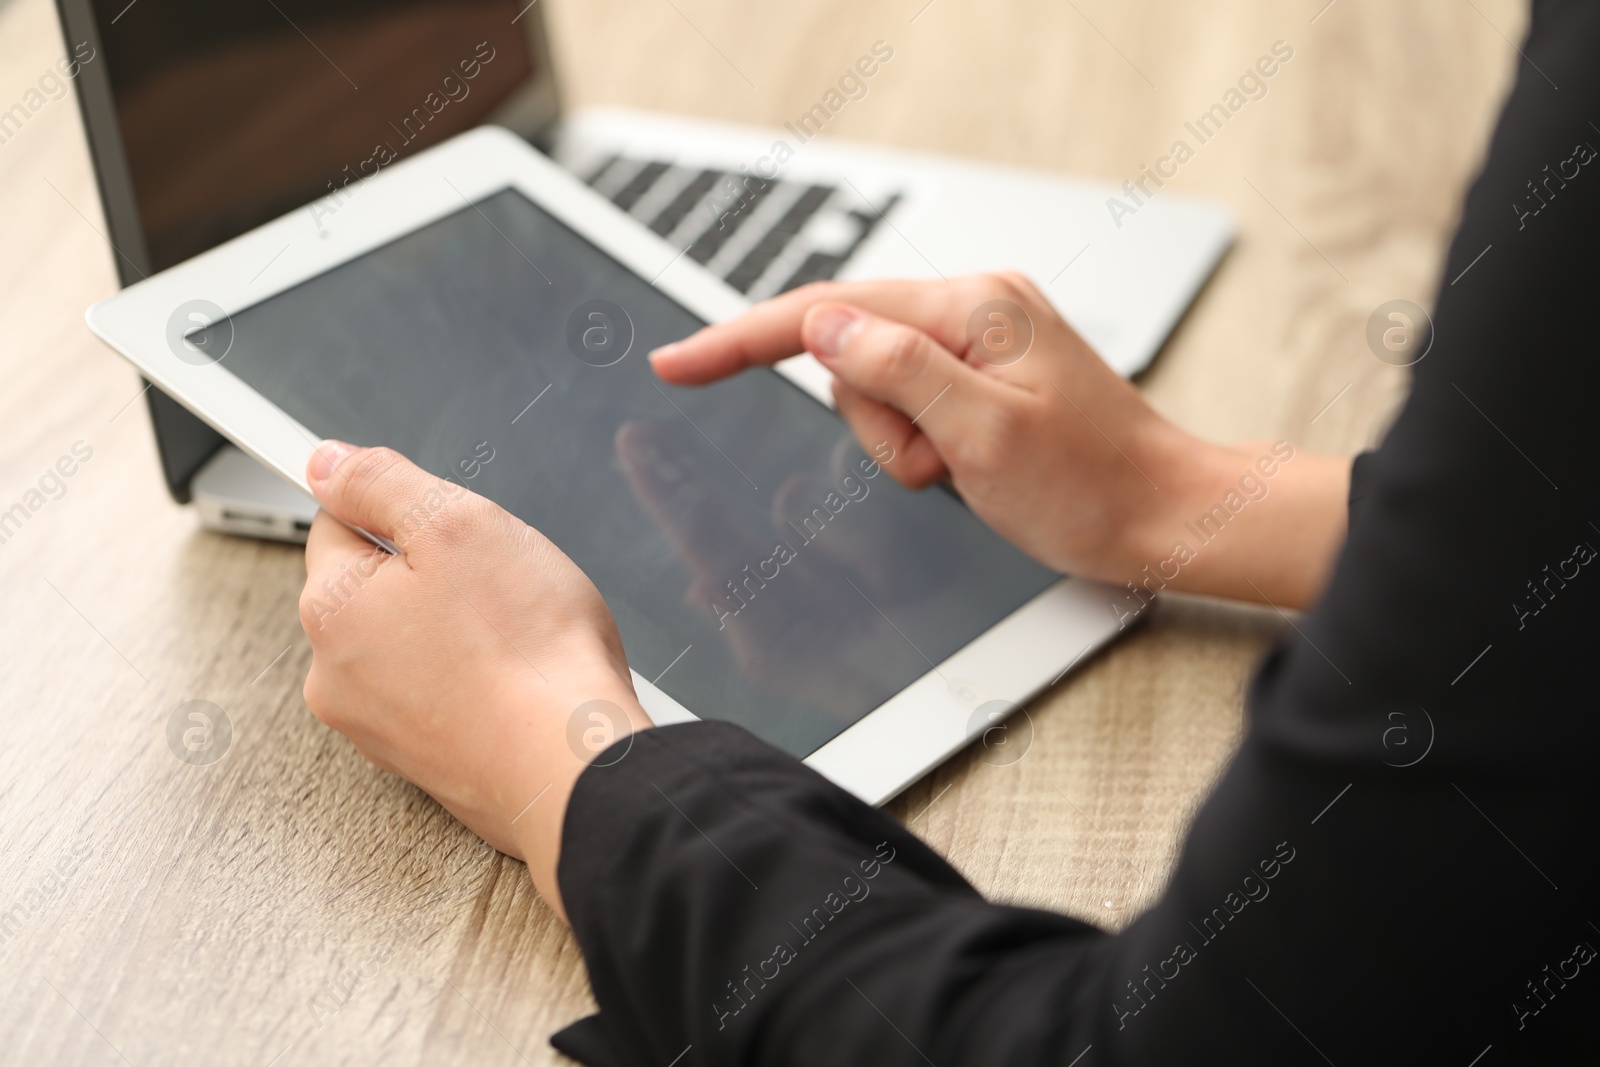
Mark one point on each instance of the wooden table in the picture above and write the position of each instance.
(291, 904)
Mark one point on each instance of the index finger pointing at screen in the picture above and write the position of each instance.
(770, 331)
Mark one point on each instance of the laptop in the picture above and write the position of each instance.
(206, 120)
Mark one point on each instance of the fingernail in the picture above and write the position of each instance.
(832, 328)
(666, 354)
(328, 455)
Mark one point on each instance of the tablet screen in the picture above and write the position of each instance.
(762, 566)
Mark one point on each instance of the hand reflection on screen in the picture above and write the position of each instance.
(891, 558)
(796, 602)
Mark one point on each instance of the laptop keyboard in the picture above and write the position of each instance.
(763, 236)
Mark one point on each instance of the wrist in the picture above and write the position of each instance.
(1258, 521)
(1189, 473)
(587, 712)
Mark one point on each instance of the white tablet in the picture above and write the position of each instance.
(483, 312)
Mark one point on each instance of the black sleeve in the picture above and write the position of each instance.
(1395, 868)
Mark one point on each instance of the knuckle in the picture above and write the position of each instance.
(315, 608)
(316, 698)
(980, 454)
(452, 519)
(1012, 284)
(365, 474)
(1007, 424)
(434, 515)
(984, 447)
(901, 354)
(452, 524)
(308, 610)
(917, 477)
(975, 288)
(371, 465)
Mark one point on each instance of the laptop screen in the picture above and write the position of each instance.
(232, 114)
(207, 118)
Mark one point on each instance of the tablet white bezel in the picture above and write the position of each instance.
(876, 757)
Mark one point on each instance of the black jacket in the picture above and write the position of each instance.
(1398, 865)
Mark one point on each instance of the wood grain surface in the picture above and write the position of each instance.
(290, 904)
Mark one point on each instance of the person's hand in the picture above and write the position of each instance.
(1046, 443)
(461, 663)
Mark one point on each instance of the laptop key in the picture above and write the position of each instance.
(824, 266)
(640, 184)
(685, 202)
(600, 171)
(773, 242)
(741, 200)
